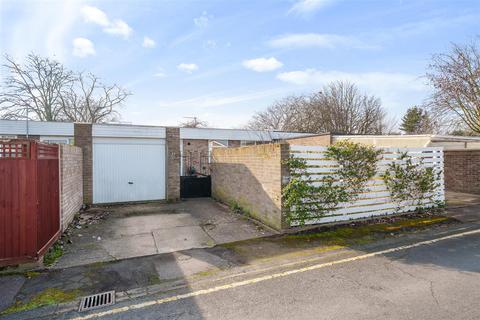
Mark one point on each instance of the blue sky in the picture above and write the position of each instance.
(223, 60)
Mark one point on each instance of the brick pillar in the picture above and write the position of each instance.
(173, 163)
(83, 139)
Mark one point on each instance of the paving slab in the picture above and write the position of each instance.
(234, 231)
(459, 199)
(181, 238)
(138, 224)
(130, 246)
(134, 230)
(9, 288)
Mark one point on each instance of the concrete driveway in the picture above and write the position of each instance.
(133, 230)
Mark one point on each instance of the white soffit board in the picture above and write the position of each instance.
(128, 131)
(36, 128)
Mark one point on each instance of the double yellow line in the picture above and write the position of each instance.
(268, 277)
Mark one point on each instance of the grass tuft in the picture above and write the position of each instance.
(52, 255)
(46, 297)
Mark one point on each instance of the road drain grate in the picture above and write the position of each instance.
(97, 301)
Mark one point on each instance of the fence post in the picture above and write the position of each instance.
(285, 172)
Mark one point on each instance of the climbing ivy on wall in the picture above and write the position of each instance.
(305, 198)
(410, 183)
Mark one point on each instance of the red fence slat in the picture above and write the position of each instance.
(29, 199)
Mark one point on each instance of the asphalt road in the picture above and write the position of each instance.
(435, 281)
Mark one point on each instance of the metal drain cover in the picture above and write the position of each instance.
(96, 301)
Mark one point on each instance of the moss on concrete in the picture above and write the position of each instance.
(349, 235)
(326, 239)
(31, 274)
(206, 273)
(46, 297)
(153, 279)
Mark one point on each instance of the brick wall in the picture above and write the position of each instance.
(71, 183)
(251, 177)
(314, 140)
(462, 170)
(173, 163)
(83, 139)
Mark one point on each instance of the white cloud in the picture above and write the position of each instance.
(203, 20)
(397, 90)
(95, 15)
(45, 29)
(116, 27)
(368, 79)
(83, 47)
(210, 44)
(187, 67)
(262, 64)
(120, 28)
(304, 7)
(148, 42)
(304, 40)
(160, 73)
(215, 100)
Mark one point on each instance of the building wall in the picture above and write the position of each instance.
(251, 177)
(314, 140)
(234, 143)
(173, 163)
(462, 171)
(388, 141)
(455, 145)
(30, 136)
(71, 183)
(195, 154)
(83, 139)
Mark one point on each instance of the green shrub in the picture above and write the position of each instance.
(305, 199)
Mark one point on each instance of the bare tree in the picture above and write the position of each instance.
(33, 90)
(42, 89)
(87, 99)
(455, 77)
(194, 122)
(282, 115)
(339, 107)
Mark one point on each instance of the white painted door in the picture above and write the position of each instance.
(128, 169)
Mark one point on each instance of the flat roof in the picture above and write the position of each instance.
(46, 128)
(433, 137)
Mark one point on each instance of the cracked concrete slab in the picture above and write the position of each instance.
(135, 225)
(134, 230)
(233, 231)
(9, 287)
(130, 246)
(181, 238)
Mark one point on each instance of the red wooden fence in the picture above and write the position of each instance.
(29, 200)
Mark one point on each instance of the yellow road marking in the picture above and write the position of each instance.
(267, 277)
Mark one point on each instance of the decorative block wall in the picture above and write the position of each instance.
(71, 183)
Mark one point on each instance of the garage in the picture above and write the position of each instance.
(128, 169)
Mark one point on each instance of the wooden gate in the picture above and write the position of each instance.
(29, 200)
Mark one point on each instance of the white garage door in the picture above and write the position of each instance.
(128, 169)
